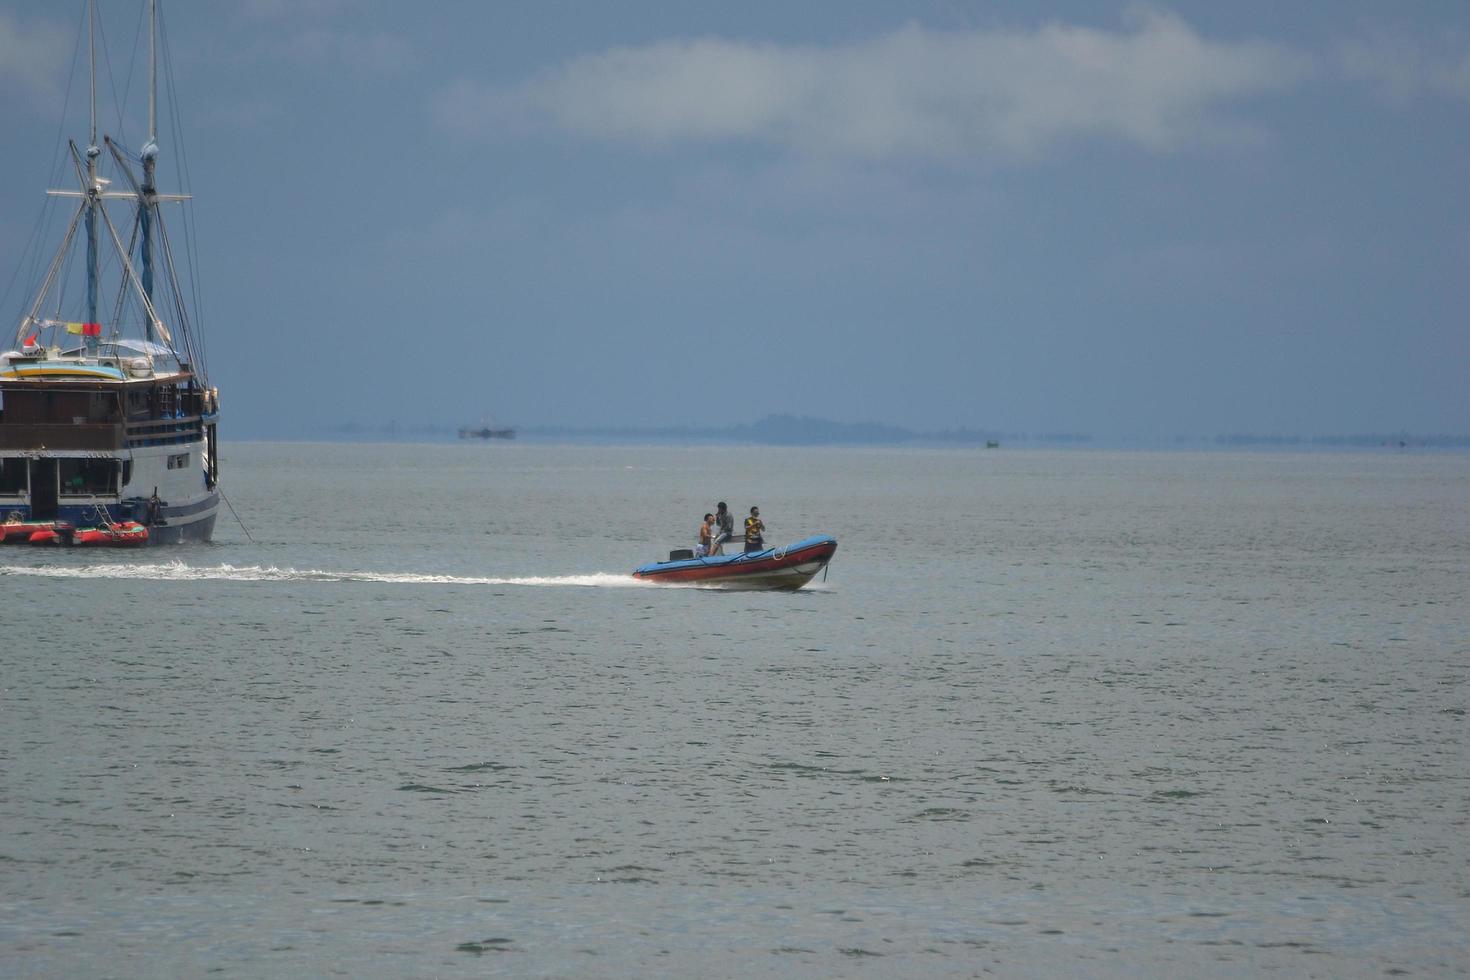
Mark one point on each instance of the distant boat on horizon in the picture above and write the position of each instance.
(485, 431)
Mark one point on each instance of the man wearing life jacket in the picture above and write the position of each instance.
(755, 531)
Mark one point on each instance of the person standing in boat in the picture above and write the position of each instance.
(706, 530)
(755, 531)
(724, 528)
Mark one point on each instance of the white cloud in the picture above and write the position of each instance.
(33, 61)
(912, 93)
(1404, 68)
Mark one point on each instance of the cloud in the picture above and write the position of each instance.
(33, 61)
(1403, 68)
(293, 10)
(312, 33)
(378, 52)
(914, 92)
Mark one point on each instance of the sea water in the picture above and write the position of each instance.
(1050, 713)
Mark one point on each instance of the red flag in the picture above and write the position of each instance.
(30, 341)
(91, 330)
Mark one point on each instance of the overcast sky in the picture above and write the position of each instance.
(1121, 219)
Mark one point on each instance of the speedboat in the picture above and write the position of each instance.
(789, 567)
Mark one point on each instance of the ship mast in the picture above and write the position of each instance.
(150, 234)
(93, 189)
(150, 160)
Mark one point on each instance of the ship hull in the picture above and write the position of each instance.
(168, 487)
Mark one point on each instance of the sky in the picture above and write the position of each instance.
(1123, 219)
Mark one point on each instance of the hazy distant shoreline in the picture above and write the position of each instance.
(786, 430)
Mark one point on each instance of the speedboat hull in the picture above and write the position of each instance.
(789, 567)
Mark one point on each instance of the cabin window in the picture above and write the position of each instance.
(100, 406)
(138, 404)
(179, 462)
(13, 481)
(88, 477)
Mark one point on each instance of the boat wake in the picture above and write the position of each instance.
(178, 571)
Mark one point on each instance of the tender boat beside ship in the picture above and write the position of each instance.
(128, 534)
(788, 567)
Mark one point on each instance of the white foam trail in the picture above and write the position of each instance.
(178, 571)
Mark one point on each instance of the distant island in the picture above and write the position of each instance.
(1398, 440)
(774, 430)
(794, 430)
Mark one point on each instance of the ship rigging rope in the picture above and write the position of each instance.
(64, 270)
(33, 250)
(58, 162)
(196, 331)
(232, 512)
(122, 292)
(132, 276)
(132, 62)
(180, 309)
(103, 49)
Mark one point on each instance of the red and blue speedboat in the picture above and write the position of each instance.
(789, 567)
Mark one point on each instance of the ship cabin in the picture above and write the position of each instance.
(71, 427)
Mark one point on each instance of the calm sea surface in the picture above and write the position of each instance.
(1075, 713)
